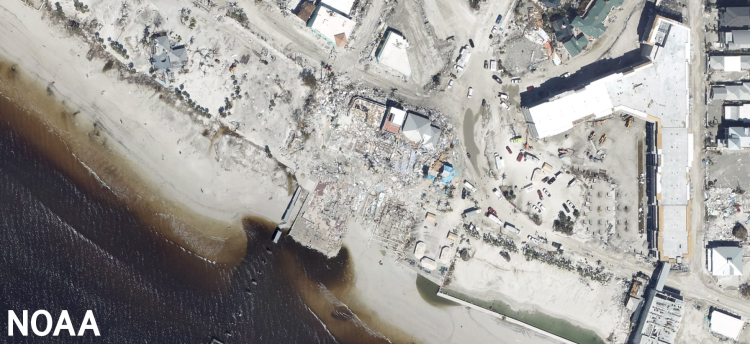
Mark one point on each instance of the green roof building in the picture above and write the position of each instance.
(593, 23)
(575, 45)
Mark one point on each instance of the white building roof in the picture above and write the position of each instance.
(328, 24)
(558, 114)
(393, 54)
(445, 254)
(673, 167)
(738, 138)
(419, 249)
(726, 325)
(418, 129)
(737, 112)
(428, 263)
(343, 6)
(397, 116)
(659, 89)
(729, 63)
(674, 231)
(725, 261)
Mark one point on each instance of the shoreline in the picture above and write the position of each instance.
(127, 133)
(504, 317)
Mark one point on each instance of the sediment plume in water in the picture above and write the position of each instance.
(156, 275)
(47, 123)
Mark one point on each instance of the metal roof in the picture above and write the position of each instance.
(731, 92)
(734, 17)
(737, 39)
(418, 129)
(575, 45)
(738, 138)
(729, 63)
(725, 260)
(593, 23)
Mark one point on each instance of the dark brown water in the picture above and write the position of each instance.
(70, 244)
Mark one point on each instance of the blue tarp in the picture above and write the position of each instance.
(451, 174)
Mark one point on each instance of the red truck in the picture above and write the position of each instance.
(520, 156)
(539, 192)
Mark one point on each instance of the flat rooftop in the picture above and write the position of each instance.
(656, 91)
(393, 53)
(331, 25)
(674, 234)
(658, 88)
(673, 169)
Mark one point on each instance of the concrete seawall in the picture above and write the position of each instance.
(503, 317)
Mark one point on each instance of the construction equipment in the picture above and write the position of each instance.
(526, 144)
(591, 136)
(629, 122)
(603, 138)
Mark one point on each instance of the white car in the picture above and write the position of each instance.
(505, 105)
(570, 204)
(541, 206)
(546, 192)
(536, 208)
(566, 75)
(515, 81)
(471, 90)
(503, 96)
(450, 83)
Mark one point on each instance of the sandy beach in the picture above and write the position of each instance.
(134, 131)
(188, 175)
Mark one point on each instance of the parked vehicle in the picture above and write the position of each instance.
(493, 65)
(570, 204)
(515, 81)
(540, 205)
(471, 90)
(565, 206)
(469, 186)
(499, 18)
(494, 219)
(546, 192)
(520, 156)
(509, 226)
(450, 83)
(486, 64)
(508, 148)
(471, 43)
(565, 75)
(603, 138)
(468, 155)
(539, 192)
(551, 180)
(503, 96)
(499, 163)
(529, 88)
(591, 136)
(497, 78)
(505, 105)
(492, 211)
(497, 193)
(557, 245)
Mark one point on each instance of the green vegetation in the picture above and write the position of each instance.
(238, 14)
(563, 224)
(80, 7)
(739, 231)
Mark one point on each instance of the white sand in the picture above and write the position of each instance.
(166, 146)
(389, 295)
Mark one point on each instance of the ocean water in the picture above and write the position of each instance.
(68, 246)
